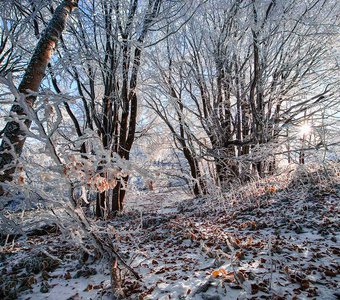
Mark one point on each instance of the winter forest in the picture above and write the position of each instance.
(169, 149)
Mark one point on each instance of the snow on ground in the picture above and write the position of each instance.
(161, 200)
(274, 239)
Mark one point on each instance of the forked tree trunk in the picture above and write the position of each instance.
(14, 135)
(126, 123)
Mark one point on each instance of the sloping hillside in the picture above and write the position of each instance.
(271, 239)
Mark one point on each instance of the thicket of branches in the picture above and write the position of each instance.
(230, 83)
(92, 91)
(240, 78)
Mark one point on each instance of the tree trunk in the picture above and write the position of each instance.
(101, 204)
(198, 184)
(119, 195)
(14, 135)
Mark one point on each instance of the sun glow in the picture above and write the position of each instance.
(305, 129)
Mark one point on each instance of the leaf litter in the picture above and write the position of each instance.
(272, 239)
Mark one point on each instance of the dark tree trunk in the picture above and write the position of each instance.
(101, 205)
(118, 195)
(198, 185)
(120, 101)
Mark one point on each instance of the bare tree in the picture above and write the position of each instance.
(173, 86)
(113, 40)
(13, 137)
(245, 75)
(112, 37)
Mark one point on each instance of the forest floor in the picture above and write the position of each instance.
(272, 239)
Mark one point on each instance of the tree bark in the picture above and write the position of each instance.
(14, 135)
(119, 195)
